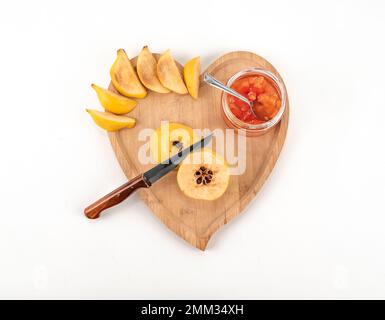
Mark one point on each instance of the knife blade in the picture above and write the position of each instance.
(144, 180)
(170, 164)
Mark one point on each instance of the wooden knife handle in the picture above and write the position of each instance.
(117, 196)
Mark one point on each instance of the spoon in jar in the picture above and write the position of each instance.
(209, 79)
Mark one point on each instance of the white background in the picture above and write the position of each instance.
(316, 229)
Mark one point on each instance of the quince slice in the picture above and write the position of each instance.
(111, 122)
(124, 78)
(203, 175)
(191, 72)
(146, 68)
(169, 139)
(169, 74)
(113, 102)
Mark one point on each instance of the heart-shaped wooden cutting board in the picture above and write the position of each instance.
(196, 220)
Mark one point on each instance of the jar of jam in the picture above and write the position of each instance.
(268, 94)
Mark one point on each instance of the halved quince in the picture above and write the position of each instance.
(113, 102)
(169, 74)
(169, 139)
(191, 72)
(203, 175)
(111, 122)
(124, 78)
(146, 68)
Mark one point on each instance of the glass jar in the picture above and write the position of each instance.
(253, 130)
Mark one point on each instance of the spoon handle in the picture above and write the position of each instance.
(209, 79)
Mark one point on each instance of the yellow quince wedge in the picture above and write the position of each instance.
(146, 68)
(191, 72)
(111, 122)
(113, 102)
(169, 75)
(124, 78)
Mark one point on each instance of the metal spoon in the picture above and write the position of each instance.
(209, 79)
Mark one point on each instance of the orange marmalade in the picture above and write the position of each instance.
(261, 92)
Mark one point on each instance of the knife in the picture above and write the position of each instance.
(144, 180)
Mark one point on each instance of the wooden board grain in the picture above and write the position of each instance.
(196, 220)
